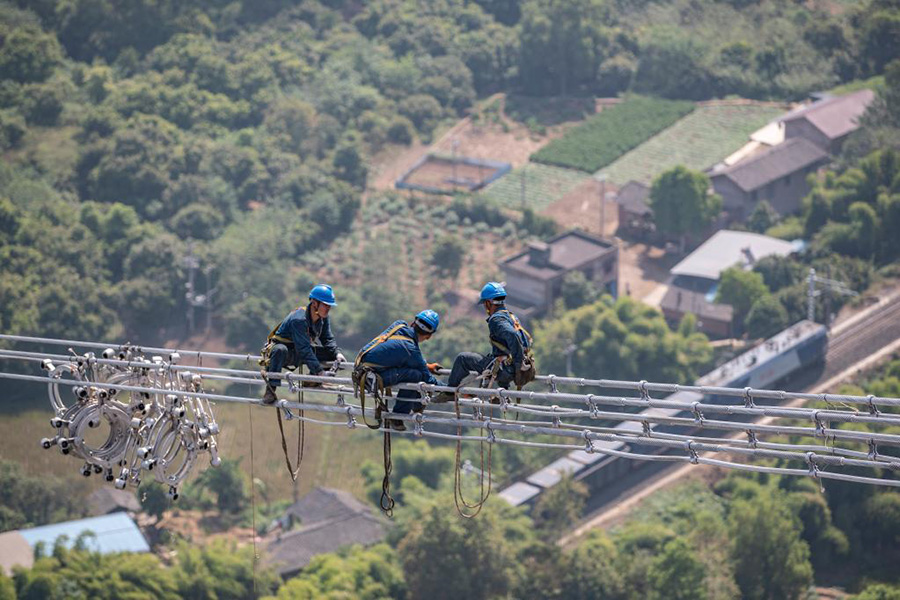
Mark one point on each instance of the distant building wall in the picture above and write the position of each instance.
(734, 199)
(804, 129)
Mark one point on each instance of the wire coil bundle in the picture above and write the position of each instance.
(151, 432)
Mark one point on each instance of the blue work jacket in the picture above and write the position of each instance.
(300, 329)
(505, 340)
(398, 360)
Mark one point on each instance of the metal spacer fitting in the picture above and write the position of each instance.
(642, 388)
(748, 397)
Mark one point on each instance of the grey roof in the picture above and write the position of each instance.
(292, 551)
(633, 198)
(106, 500)
(331, 519)
(323, 504)
(727, 248)
(684, 301)
(836, 116)
(568, 251)
(771, 165)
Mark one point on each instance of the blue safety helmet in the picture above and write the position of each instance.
(428, 321)
(323, 293)
(492, 291)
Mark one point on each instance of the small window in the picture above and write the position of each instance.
(608, 267)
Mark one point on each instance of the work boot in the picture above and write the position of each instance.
(443, 397)
(397, 425)
(269, 397)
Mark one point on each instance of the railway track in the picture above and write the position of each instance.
(852, 341)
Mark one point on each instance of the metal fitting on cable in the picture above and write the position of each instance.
(551, 381)
(873, 450)
(588, 443)
(748, 398)
(873, 410)
(642, 388)
(820, 427)
(492, 437)
(698, 416)
(751, 437)
(695, 458)
(340, 400)
(351, 420)
(645, 425)
(419, 425)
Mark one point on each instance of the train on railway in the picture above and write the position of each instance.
(772, 362)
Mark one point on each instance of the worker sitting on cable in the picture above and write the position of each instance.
(304, 337)
(395, 356)
(510, 358)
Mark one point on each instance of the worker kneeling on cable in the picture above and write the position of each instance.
(510, 360)
(395, 357)
(304, 337)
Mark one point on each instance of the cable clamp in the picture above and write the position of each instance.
(288, 415)
(820, 426)
(593, 408)
(351, 420)
(695, 458)
(492, 437)
(646, 427)
(419, 425)
(751, 437)
(340, 400)
(873, 450)
(588, 443)
(814, 469)
(698, 416)
(504, 400)
(748, 398)
(551, 381)
(873, 410)
(642, 388)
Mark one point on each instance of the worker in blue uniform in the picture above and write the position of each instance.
(304, 337)
(510, 344)
(396, 357)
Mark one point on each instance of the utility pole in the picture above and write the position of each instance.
(194, 300)
(570, 349)
(454, 145)
(523, 188)
(829, 285)
(601, 179)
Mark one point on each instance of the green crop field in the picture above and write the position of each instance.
(604, 137)
(543, 186)
(697, 141)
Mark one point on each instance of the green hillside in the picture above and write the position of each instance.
(544, 184)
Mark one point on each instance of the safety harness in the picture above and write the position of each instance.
(527, 372)
(366, 378)
(273, 338)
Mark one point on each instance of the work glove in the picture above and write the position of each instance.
(434, 367)
(340, 358)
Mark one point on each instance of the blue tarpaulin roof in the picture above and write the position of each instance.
(116, 532)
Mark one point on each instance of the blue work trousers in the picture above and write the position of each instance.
(283, 355)
(472, 361)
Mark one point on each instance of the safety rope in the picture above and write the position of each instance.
(252, 494)
(359, 378)
(470, 510)
(294, 470)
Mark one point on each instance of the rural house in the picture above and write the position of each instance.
(777, 174)
(695, 280)
(535, 275)
(828, 122)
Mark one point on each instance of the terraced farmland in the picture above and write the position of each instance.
(698, 141)
(543, 186)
